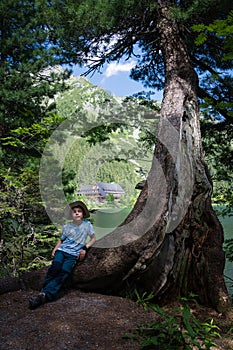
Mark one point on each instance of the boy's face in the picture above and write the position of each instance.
(77, 214)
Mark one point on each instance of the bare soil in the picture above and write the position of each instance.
(83, 321)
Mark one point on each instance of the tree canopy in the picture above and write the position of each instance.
(28, 80)
(100, 32)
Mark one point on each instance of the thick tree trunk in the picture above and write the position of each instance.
(171, 243)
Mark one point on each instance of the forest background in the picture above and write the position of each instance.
(36, 98)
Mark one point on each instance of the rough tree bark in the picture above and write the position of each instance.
(171, 243)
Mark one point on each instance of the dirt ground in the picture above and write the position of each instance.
(79, 321)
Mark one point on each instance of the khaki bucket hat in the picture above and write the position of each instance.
(75, 204)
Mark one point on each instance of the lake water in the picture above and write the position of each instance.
(227, 223)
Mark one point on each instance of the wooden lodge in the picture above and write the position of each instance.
(99, 191)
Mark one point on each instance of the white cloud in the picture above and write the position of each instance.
(114, 68)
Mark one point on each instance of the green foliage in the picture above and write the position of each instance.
(110, 198)
(177, 329)
(70, 186)
(31, 140)
(29, 79)
(25, 247)
(28, 85)
(220, 28)
(145, 299)
(216, 85)
(218, 155)
(22, 218)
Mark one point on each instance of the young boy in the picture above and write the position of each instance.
(69, 249)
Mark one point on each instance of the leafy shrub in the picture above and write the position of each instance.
(176, 329)
(182, 331)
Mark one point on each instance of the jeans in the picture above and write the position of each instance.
(58, 273)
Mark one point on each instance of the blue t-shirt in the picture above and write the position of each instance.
(74, 237)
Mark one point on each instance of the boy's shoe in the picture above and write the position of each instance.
(36, 301)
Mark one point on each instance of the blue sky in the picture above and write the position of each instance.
(115, 79)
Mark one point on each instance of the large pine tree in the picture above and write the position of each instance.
(171, 243)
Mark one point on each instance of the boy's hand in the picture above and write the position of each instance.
(82, 255)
